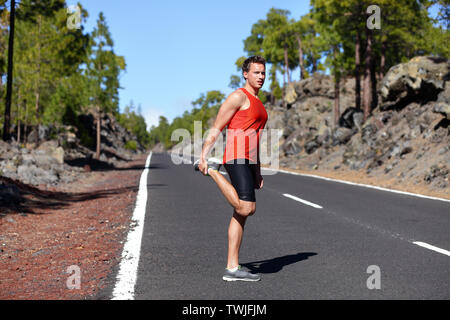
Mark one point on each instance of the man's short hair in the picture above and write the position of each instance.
(250, 60)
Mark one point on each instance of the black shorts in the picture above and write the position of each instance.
(243, 178)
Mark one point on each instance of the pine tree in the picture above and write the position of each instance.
(104, 68)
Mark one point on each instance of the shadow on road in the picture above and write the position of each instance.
(276, 264)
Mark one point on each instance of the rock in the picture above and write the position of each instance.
(276, 120)
(317, 85)
(46, 155)
(436, 171)
(291, 148)
(43, 132)
(58, 155)
(293, 144)
(349, 116)
(342, 135)
(443, 150)
(311, 146)
(287, 131)
(444, 96)
(290, 95)
(358, 119)
(8, 167)
(442, 108)
(323, 133)
(4, 148)
(36, 176)
(421, 79)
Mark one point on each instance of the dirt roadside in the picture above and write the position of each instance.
(82, 224)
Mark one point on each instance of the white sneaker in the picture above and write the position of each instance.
(213, 164)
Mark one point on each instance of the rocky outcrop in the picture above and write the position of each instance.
(420, 80)
(63, 158)
(407, 136)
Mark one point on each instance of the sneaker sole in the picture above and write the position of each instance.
(239, 279)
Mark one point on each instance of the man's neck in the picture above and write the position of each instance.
(253, 91)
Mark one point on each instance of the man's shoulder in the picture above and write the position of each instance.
(237, 96)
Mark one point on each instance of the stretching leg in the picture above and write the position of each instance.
(242, 207)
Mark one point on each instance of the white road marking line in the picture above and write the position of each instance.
(429, 246)
(126, 278)
(302, 201)
(358, 184)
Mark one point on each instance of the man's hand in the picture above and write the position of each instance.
(259, 181)
(203, 166)
(259, 178)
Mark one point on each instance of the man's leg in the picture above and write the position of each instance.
(235, 234)
(243, 208)
(226, 187)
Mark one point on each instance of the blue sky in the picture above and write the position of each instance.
(176, 50)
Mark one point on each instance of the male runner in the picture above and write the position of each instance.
(245, 116)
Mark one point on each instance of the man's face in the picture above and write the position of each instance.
(256, 75)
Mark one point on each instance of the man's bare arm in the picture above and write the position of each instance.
(226, 112)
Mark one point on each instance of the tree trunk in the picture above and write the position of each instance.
(18, 115)
(273, 74)
(7, 121)
(314, 64)
(18, 131)
(25, 129)
(357, 71)
(382, 60)
(286, 63)
(99, 119)
(37, 93)
(336, 90)
(373, 80)
(300, 58)
(336, 100)
(368, 98)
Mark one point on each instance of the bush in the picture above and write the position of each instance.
(131, 145)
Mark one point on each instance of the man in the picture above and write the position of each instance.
(245, 116)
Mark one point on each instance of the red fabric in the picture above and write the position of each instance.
(244, 130)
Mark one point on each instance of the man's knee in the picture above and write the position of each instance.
(246, 208)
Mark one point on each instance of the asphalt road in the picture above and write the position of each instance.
(300, 251)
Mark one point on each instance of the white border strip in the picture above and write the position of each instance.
(126, 278)
(429, 246)
(358, 184)
(302, 201)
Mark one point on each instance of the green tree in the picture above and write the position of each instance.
(278, 44)
(132, 120)
(47, 56)
(104, 68)
(236, 81)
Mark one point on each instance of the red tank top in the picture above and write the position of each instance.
(244, 130)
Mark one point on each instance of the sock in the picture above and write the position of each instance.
(233, 269)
